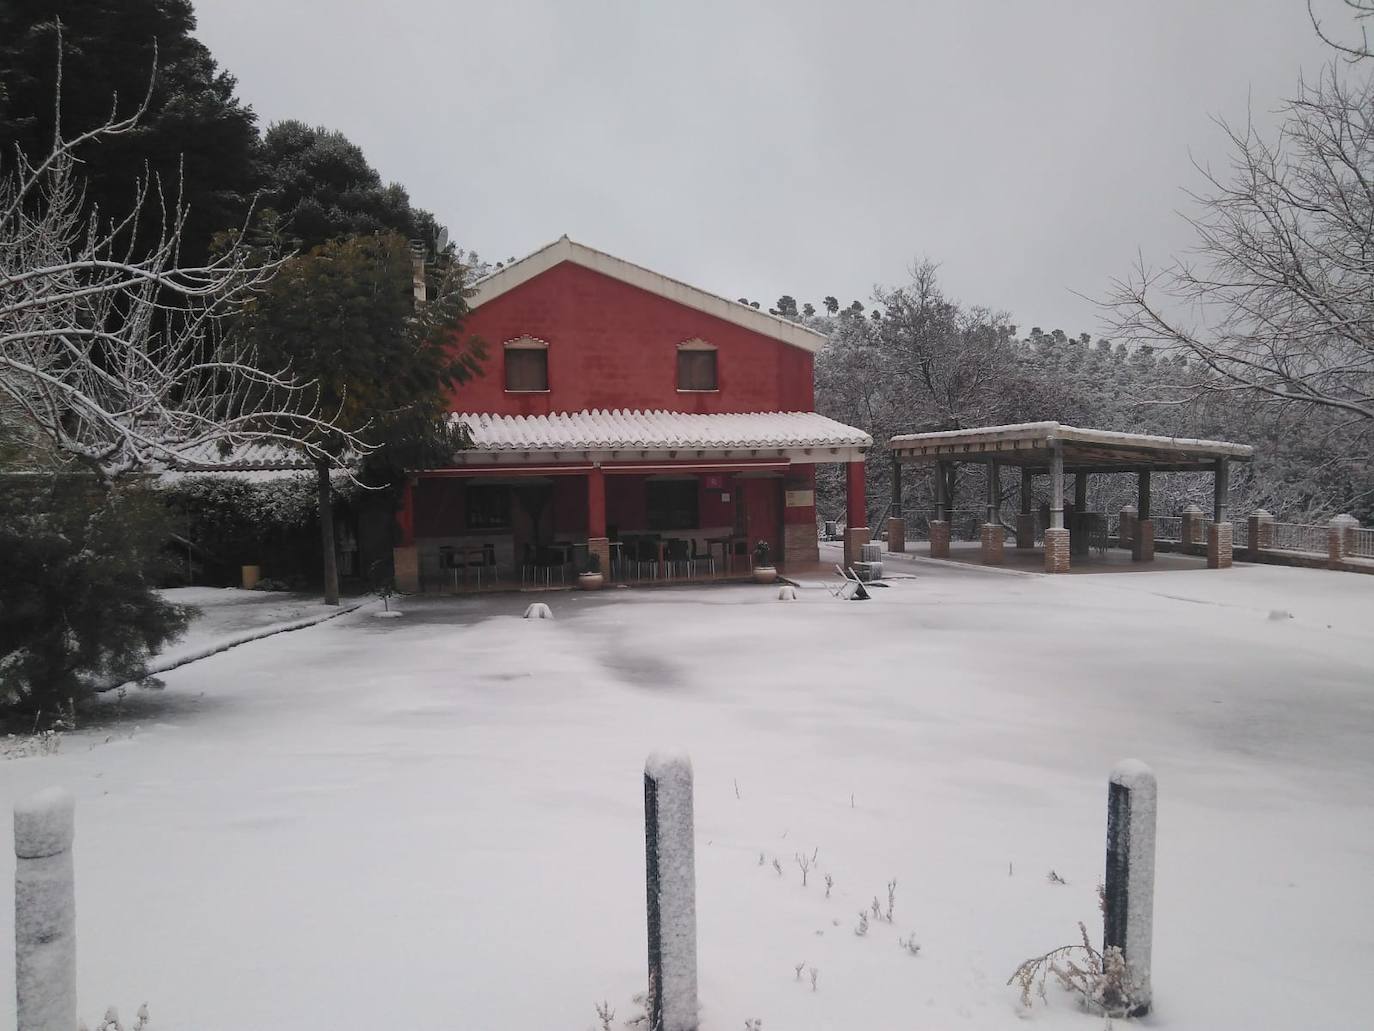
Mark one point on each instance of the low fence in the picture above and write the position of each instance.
(1341, 544)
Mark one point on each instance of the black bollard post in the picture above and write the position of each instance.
(1128, 902)
(670, 886)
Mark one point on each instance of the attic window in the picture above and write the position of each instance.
(527, 365)
(696, 366)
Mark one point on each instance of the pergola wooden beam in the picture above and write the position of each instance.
(1033, 445)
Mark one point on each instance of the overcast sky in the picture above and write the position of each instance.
(756, 149)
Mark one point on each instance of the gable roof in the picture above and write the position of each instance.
(519, 272)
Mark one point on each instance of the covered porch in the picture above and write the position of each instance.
(1066, 532)
(667, 498)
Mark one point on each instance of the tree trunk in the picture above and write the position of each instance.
(331, 563)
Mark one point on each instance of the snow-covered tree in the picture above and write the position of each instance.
(114, 350)
(1276, 301)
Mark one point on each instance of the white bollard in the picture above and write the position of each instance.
(670, 880)
(45, 912)
(787, 593)
(1129, 888)
(538, 611)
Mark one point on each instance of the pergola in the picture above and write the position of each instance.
(1040, 448)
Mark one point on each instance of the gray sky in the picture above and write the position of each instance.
(756, 149)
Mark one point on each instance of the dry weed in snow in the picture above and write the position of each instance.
(111, 1021)
(1100, 980)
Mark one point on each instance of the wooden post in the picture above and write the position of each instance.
(896, 488)
(1129, 886)
(1057, 486)
(939, 526)
(994, 493)
(670, 885)
(45, 912)
(1221, 499)
(1143, 537)
(1025, 520)
(1080, 493)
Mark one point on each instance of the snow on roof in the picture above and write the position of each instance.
(600, 430)
(519, 272)
(1051, 431)
(258, 454)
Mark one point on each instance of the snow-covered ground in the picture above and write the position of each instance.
(436, 821)
(224, 614)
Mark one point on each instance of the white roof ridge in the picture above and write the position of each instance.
(564, 249)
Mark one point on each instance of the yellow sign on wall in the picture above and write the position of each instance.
(800, 498)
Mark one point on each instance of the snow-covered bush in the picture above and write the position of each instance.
(236, 522)
(78, 611)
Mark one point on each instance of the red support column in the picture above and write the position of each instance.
(856, 505)
(405, 518)
(596, 503)
(597, 543)
(856, 533)
(405, 557)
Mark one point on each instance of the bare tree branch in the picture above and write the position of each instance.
(1277, 298)
(126, 361)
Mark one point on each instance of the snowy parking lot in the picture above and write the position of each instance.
(437, 821)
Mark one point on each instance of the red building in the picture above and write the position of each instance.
(624, 414)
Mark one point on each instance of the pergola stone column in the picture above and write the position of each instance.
(1219, 532)
(1191, 526)
(991, 534)
(1143, 540)
(896, 525)
(1261, 533)
(856, 531)
(1025, 519)
(1341, 538)
(1125, 528)
(1056, 535)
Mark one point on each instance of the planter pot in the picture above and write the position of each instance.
(765, 574)
(251, 576)
(590, 581)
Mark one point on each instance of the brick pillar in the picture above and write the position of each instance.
(1056, 550)
(800, 544)
(1143, 541)
(992, 537)
(939, 538)
(1218, 545)
(1126, 528)
(1261, 535)
(896, 534)
(405, 562)
(856, 533)
(1341, 538)
(1191, 532)
(1025, 531)
(601, 548)
(854, 541)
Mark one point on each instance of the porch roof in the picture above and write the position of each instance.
(1031, 444)
(599, 431)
